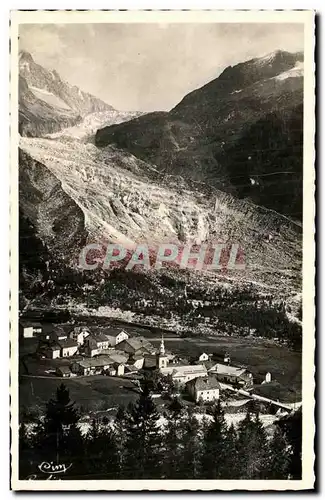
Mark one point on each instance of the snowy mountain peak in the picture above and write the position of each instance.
(49, 81)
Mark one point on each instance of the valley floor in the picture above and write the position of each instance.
(38, 381)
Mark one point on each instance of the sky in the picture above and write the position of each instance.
(149, 67)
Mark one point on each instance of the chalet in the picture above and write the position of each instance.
(58, 334)
(116, 336)
(29, 329)
(116, 369)
(137, 360)
(204, 389)
(184, 373)
(232, 374)
(137, 345)
(63, 371)
(97, 343)
(94, 366)
(68, 347)
(52, 351)
(79, 334)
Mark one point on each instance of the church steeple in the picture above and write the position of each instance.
(161, 358)
(162, 346)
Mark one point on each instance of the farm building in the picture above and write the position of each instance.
(231, 374)
(116, 336)
(52, 351)
(94, 366)
(204, 388)
(96, 344)
(79, 334)
(68, 347)
(136, 345)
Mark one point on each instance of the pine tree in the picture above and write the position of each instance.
(102, 452)
(60, 415)
(192, 447)
(111, 452)
(253, 449)
(214, 455)
(291, 426)
(94, 449)
(143, 443)
(230, 467)
(120, 436)
(75, 444)
(279, 459)
(172, 441)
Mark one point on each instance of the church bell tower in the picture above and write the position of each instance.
(162, 359)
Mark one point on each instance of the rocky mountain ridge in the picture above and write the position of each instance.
(37, 77)
(47, 104)
(202, 137)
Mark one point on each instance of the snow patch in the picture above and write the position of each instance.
(49, 98)
(296, 72)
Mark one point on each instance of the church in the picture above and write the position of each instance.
(180, 373)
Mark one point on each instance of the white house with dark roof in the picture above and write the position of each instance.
(116, 336)
(68, 347)
(97, 343)
(52, 351)
(204, 389)
(79, 334)
(136, 360)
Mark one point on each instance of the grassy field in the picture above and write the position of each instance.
(90, 393)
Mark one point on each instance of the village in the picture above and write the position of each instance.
(81, 351)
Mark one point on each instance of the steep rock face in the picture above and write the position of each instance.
(47, 104)
(55, 218)
(37, 117)
(201, 137)
(40, 79)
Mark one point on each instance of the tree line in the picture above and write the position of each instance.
(141, 443)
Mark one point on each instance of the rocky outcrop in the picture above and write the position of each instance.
(55, 217)
(37, 118)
